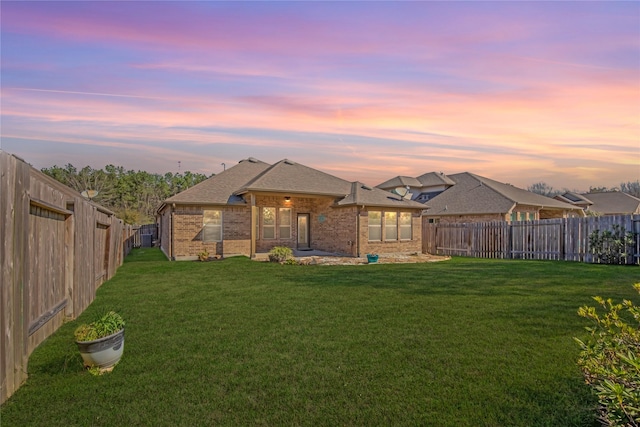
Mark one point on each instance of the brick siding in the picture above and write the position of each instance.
(332, 229)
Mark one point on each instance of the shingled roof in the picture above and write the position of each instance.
(430, 179)
(362, 194)
(613, 203)
(285, 176)
(291, 177)
(220, 189)
(474, 194)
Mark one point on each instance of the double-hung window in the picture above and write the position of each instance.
(268, 223)
(375, 225)
(390, 226)
(212, 226)
(285, 223)
(405, 225)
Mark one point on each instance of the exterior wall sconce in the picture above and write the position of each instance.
(287, 199)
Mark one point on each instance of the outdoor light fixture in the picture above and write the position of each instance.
(287, 199)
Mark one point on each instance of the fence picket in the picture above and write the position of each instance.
(552, 239)
(48, 257)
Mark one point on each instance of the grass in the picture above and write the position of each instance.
(465, 342)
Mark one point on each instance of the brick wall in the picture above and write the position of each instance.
(332, 229)
(188, 224)
(165, 231)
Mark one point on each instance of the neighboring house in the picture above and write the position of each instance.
(575, 199)
(422, 189)
(254, 206)
(604, 203)
(473, 198)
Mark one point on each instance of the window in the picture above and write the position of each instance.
(268, 223)
(390, 226)
(285, 223)
(532, 216)
(375, 225)
(212, 226)
(514, 216)
(405, 225)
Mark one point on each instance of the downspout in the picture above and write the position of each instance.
(254, 221)
(173, 233)
(357, 232)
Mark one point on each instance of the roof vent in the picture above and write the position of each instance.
(289, 162)
(366, 187)
(252, 160)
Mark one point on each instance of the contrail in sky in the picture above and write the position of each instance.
(117, 95)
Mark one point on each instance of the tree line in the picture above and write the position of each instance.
(629, 187)
(135, 195)
(132, 195)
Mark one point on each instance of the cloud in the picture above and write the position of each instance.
(360, 90)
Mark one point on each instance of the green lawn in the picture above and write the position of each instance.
(465, 342)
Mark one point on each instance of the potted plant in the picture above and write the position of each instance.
(371, 258)
(101, 342)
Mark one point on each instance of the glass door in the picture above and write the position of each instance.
(303, 231)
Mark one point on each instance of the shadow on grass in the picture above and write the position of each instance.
(145, 255)
(60, 364)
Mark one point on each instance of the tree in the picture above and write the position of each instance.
(632, 188)
(542, 188)
(133, 196)
(602, 189)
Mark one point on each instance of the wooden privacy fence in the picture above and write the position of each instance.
(56, 249)
(552, 239)
(144, 235)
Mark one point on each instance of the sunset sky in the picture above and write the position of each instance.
(520, 92)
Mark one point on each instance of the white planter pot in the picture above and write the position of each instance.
(103, 352)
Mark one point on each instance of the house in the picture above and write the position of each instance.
(467, 197)
(604, 203)
(422, 188)
(254, 206)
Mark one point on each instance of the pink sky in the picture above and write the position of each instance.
(520, 92)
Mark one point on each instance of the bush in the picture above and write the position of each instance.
(610, 360)
(280, 254)
(611, 247)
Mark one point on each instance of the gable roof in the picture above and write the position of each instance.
(220, 188)
(285, 176)
(361, 194)
(474, 194)
(613, 202)
(430, 179)
(291, 177)
(400, 181)
(574, 198)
